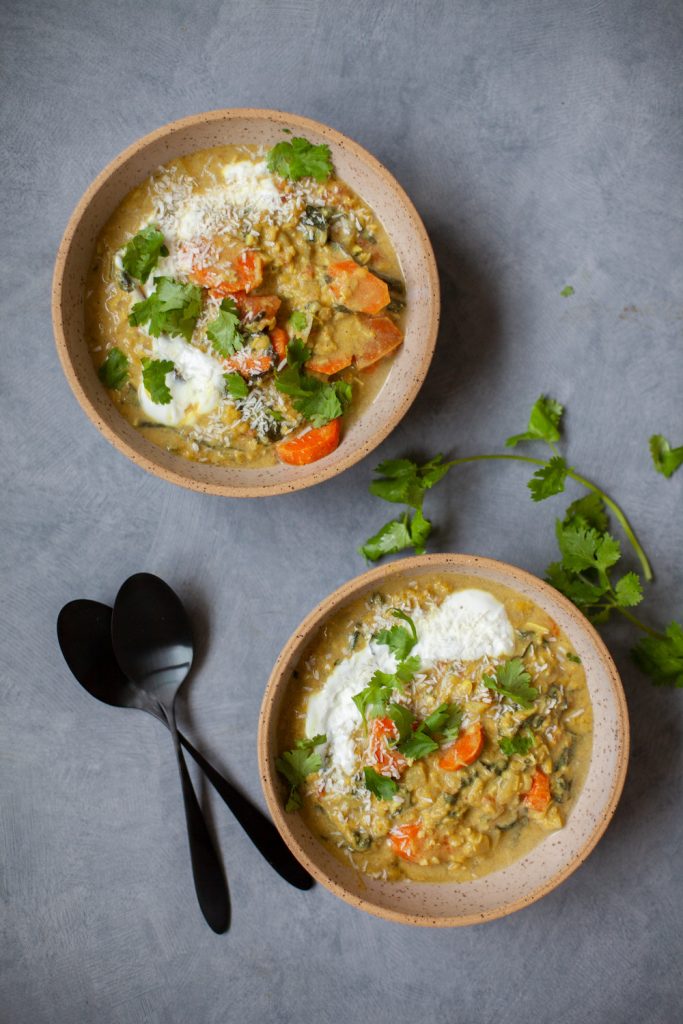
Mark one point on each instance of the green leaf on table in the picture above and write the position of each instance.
(142, 253)
(154, 373)
(114, 370)
(549, 479)
(666, 459)
(173, 309)
(588, 511)
(380, 786)
(391, 538)
(661, 657)
(585, 548)
(544, 423)
(420, 529)
(628, 590)
(512, 683)
(445, 721)
(223, 331)
(299, 158)
(298, 321)
(405, 481)
(567, 291)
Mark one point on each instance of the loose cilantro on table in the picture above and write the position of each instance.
(318, 401)
(666, 459)
(142, 253)
(299, 158)
(297, 764)
(236, 386)
(114, 370)
(154, 378)
(519, 744)
(223, 331)
(588, 552)
(173, 308)
(567, 291)
(380, 786)
(512, 683)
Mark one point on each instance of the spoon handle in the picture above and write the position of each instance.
(258, 827)
(207, 871)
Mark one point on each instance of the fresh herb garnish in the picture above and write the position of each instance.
(519, 744)
(398, 639)
(588, 551)
(297, 764)
(512, 683)
(223, 332)
(445, 722)
(236, 386)
(300, 159)
(567, 291)
(380, 786)
(114, 370)
(173, 308)
(318, 401)
(154, 378)
(142, 253)
(666, 459)
(298, 321)
(573, 657)
(418, 744)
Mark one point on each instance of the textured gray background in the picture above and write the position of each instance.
(541, 142)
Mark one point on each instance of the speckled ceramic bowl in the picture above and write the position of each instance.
(353, 164)
(549, 863)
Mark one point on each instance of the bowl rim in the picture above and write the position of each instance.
(453, 562)
(309, 475)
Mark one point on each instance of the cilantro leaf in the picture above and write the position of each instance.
(519, 744)
(418, 744)
(402, 480)
(298, 321)
(628, 590)
(298, 353)
(549, 479)
(373, 698)
(588, 511)
(583, 548)
(666, 459)
(172, 309)
(661, 657)
(114, 370)
(406, 670)
(318, 401)
(582, 592)
(567, 291)
(573, 657)
(394, 536)
(236, 386)
(142, 252)
(512, 683)
(297, 764)
(154, 378)
(402, 718)
(300, 159)
(445, 721)
(399, 640)
(420, 529)
(380, 786)
(544, 423)
(223, 332)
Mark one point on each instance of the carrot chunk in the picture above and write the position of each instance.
(249, 365)
(254, 305)
(465, 750)
(242, 274)
(386, 337)
(329, 364)
(406, 840)
(388, 760)
(279, 340)
(538, 796)
(310, 446)
(357, 288)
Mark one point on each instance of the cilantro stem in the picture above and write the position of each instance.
(634, 620)
(618, 513)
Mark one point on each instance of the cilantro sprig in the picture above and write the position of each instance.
(173, 308)
(223, 331)
(403, 481)
(299, 158)
(297, 764)
(398, 639)
(114, 370)
(379, 785)
(665, 459)
(512, 682)
(154, 373)
(318, 401)
(142, 253)
(521, 743)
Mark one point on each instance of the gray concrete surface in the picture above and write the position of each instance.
(541, 142)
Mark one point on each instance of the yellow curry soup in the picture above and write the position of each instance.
(442, 742)
(239, 316)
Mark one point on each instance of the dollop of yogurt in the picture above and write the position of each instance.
(196, 384)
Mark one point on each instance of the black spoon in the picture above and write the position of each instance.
(84, 634)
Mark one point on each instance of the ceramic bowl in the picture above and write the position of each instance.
(353, 164)
(557, 855)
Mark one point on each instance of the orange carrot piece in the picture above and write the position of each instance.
(388, 760)
(357, 288)
(465, 750)
(329, 364)
(310, 446)
(253, 305)
(249, 366)
(279, 340)
(386, 337)
(240, 275)
(538, 796)
(406, 840)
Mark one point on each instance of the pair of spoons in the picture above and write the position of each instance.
(138, 656)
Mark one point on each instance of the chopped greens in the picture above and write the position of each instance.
(519, 744)
(154, 378)
(173, 308)
(380, 786)
(236, 386)
(567, 291)
(398, 639)
(512, 683)
(299, 158)
(142, 253)
(114, 370)
(297, 764)
(318, 401)
(223, 332)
